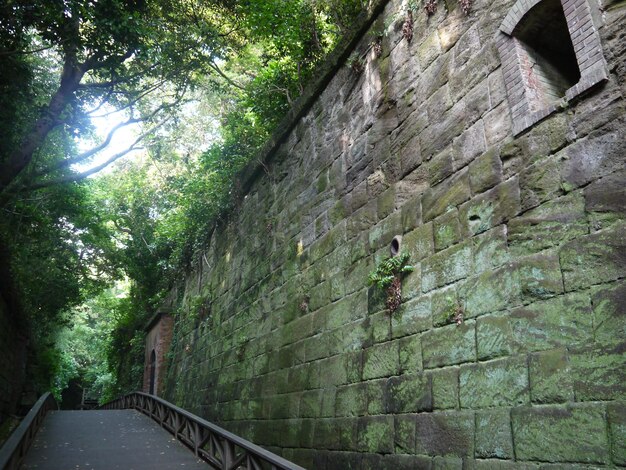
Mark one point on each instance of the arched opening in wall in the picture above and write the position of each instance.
(546, 54)
(551, 54)
(152, 372)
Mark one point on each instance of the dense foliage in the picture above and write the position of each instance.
(204, 81)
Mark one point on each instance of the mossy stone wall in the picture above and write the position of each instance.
(279, 339)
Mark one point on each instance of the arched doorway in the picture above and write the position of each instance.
(152, 372)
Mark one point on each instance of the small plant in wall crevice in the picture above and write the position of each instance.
(388, 276)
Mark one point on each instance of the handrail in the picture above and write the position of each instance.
(15, 448)
(221, 449)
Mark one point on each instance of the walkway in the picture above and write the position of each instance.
(106, 440)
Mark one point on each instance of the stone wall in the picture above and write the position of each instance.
(280, 339)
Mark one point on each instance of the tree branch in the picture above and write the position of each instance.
(214, 66)
(80, 176)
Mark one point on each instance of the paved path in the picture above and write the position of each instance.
(106, 440)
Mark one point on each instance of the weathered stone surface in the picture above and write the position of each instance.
(617, 428)
(491, 208)
(562, 321)
(551, 224)
(449, 433)
(446, 266)
(419, 243)
(595, 258)
(375, 434)
(490, 292)
(503, 382)
(493, 434)
(410, 350)
(445, 388)
(412, 317)
(609, 314)
(447, 230)
(381, 360)
(448, 194)
(452, 344)
(550, 377)
(444, 305)
(490, 249)
(574, 433)
(485, 172)
(409, 394)
(541, 182)
(599, 373)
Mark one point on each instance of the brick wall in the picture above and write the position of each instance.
(524, 236)
(158, 339)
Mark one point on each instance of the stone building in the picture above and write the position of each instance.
(493, 143)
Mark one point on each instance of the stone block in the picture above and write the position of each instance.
(445, 388)
(375, 434)
(485, 172)
(410, 349)
(386, 203)
(440, 167)
(595, 258)
(450, 193)
(412, 317)
(362, 220)
(409, 393)
(551, 224)
(607, 195)
(351, 400)
(375, 391)
(447, 463)
(448, 433)
(540, 182)
(381, 234)
(550, 377)
(311, 404)
(490, 249)
(617, 431)
(403, 462)
(574, 433)
(404, 434)
(493, 434)
(609, 314)
(447, 266)
(491, 208)
(447, 230)
(494, 337)
(540, 276)
(419, 243)
(599, 373)
(490, 292)
(381, 360)
(444, 305)
(600, 154)
(335, 434)
(502, 382)
(411, 213)
(429, 49)
(469, 145)
(563, 321)
(449, 345)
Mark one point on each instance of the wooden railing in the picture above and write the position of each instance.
(216, 446)
(14, 449)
